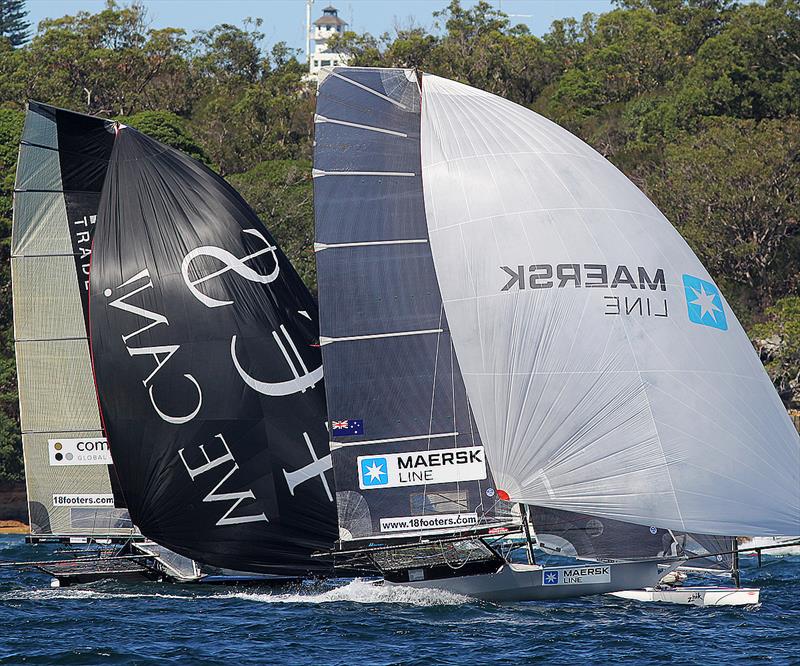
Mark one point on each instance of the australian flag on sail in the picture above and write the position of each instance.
(347, 428)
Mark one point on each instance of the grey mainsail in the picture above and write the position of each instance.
(407, 456)
(62, 161)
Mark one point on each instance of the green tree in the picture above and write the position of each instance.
(255, 107)
(751, 69)
(167, 128)
(731, 190)
(280, 191)
(626, 54)
(13, 25)
(107, 63)
(10, 441)
(778, 341)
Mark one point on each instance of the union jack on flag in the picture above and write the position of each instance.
(347, 427)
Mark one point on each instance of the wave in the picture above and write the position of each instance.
(357, 591)
(361, 591)
(61, 593)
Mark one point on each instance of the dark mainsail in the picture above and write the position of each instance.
(407, 455)
(209, 379)
(603, 539)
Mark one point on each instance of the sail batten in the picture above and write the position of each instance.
(407, 458)
(606, 371)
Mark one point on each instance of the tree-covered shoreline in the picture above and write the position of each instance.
(697, 101)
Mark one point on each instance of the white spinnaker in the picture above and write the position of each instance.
(632, 416)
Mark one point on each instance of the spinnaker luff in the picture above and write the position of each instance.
(209, 380)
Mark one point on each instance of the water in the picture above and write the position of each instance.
(355, 622)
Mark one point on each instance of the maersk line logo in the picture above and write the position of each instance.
(419, 468)
(704, 303)
(550, 578)
(373, 472)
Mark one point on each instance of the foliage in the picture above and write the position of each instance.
(731, 189)
(167, 128)
(280, 191)
(13, 26)
(779, 343)
(696, 100)
(10, 440)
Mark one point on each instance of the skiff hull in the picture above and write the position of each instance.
(524, 582)
(695, 596)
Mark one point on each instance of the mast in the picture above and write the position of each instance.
(735, 571)
(526, 527)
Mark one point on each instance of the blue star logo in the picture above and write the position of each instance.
(704, 303)
(551, 577)
(374, 472)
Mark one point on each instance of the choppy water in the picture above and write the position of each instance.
(356, 623)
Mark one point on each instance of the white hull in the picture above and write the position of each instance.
(694, 596)
(524, 582)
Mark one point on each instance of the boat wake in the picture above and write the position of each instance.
(61, 593)
(357, 591)
(361, 591)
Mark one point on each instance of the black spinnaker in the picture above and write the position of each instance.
(210, 382)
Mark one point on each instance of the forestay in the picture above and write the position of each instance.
(210, 384)
(407, 455)
(63, 158)
(606, 371)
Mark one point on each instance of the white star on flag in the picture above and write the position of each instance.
(705, 302)
(552, 577)
(375, 471)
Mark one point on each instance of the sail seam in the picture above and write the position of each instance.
(319, 173)
(324, 340)
(38, 145)
(550, 210)
(370, 90)
(54, 431)
(371, 128)
(603, 372)
(49, 339)
(389, 440)
(23, 190)
(511, 154)
(318, 247)
(41, 256)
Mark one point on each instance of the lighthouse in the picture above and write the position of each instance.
(325, 27)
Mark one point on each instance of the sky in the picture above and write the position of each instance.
(284, 20)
